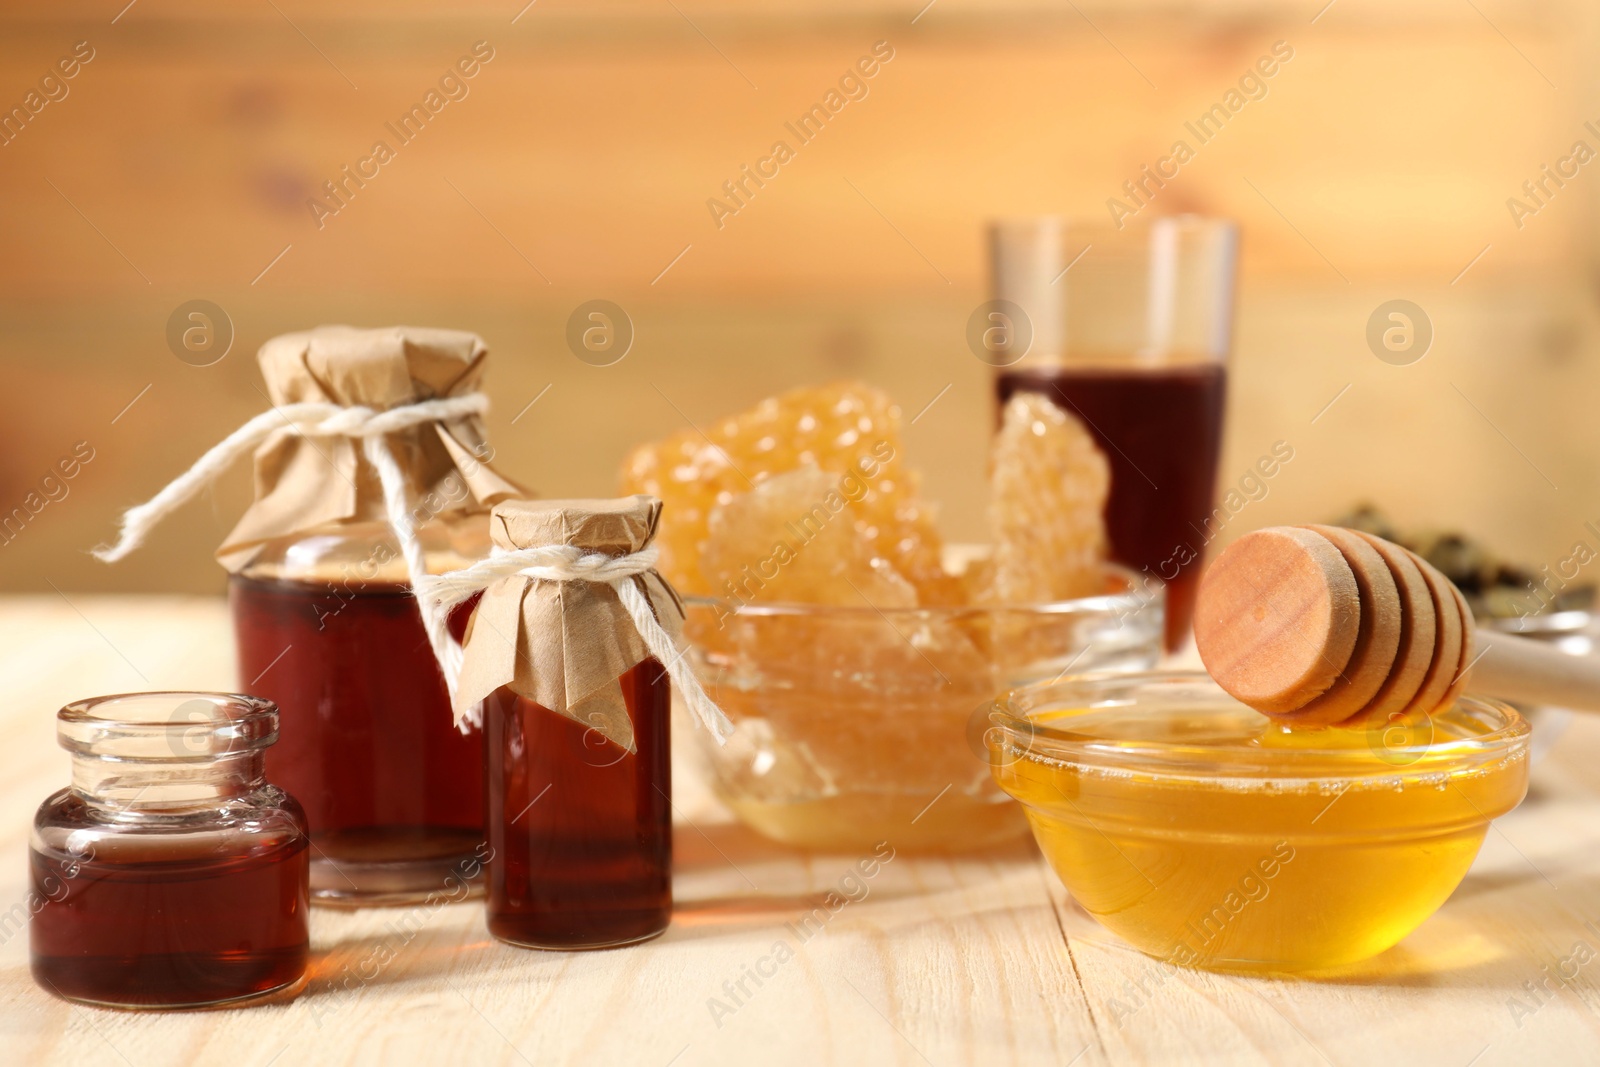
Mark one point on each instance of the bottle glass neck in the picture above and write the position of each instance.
(166, 786)
(166, 752)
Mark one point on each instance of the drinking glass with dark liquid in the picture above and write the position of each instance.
(1130, 332)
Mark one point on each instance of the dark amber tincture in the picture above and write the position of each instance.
(166, 925)
(170, 874)
(392, 790)
(580, 830)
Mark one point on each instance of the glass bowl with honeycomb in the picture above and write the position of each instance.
(854, 725)
(855, 653)
(1206, 835)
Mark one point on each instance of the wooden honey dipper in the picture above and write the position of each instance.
(1322, 625)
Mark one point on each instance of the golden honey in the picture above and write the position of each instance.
(1205, 835)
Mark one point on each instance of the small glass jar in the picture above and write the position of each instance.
(580, 830)
(328, 629)
(169, 874)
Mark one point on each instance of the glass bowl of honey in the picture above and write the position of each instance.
(854, 725)
(1205, 835)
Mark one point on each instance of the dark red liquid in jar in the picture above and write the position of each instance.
(1161, 430)
(174, 922)
(580, 831)
(392, 790)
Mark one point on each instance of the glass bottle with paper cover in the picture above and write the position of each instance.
(570, 651)
(366, 422)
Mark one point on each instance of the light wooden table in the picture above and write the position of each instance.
(974, 960)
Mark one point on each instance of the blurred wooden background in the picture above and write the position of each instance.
(578, 167)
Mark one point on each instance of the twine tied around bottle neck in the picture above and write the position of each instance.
(320, 419)
(566, 563)
(309, 419)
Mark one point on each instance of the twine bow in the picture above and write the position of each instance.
(310, 419)
(566, 563)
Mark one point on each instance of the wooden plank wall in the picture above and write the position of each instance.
(1378, 164)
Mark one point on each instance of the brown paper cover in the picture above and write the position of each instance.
(565, 645)
(303, 483)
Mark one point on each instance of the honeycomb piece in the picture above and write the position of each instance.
(865, 704)
(794, 538)
(845, 429)
(977, 579)
(1048, 486)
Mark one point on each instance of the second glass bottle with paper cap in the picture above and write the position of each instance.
(326, 623)
(1128, 329)
(570, 651)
